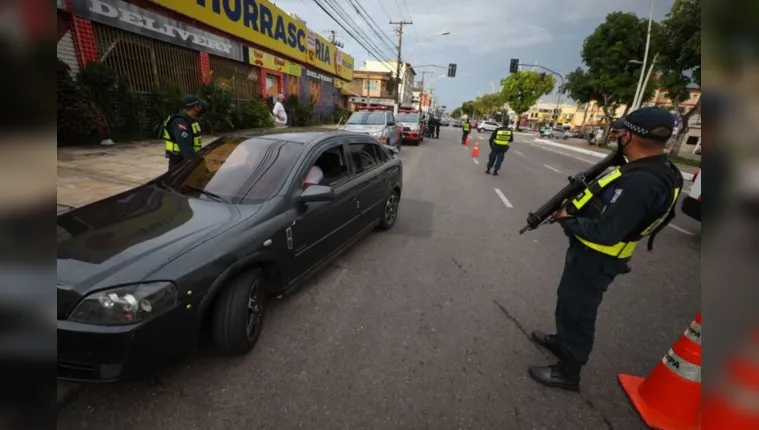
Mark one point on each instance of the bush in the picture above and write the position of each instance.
(167, 102)
(300, 113)
(255, 114)
(221, 107)
(76, 115)
(339, 115)
(119, 106)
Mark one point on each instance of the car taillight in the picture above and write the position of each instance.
(382, 139)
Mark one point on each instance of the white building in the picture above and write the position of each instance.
(407, 76)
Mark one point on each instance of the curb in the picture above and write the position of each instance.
(686, 176)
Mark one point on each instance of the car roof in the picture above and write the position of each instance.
(306, 136)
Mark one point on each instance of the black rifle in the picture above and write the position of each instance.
(577, 183)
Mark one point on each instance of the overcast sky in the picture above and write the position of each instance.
(485, 34)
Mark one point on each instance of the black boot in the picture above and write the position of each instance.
(487, 172)
(495, 172)
(549, 342)
(558, 375)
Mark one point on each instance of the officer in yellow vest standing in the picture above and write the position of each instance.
(499, 144)
(181, 131)
(604, 224)
(466, 127)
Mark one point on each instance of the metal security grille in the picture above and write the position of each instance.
(147, 63)
(243, 78)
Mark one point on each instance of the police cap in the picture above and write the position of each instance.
(643, 121)
(191, 100)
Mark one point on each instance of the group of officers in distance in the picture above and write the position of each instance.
(604, 223)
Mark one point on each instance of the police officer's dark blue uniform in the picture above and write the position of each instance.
(499, 145)
(604, 224)
(181, 132)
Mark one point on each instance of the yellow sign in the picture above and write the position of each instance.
(266, 25)
(339, 83)
(272, 62)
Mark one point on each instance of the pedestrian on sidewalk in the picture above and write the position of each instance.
(499, 144)
(466, 127)
(181, 131)
(280, 116)
(604, 224)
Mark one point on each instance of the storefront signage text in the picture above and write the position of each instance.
(319, 76)
(266, 25)
(272, 62)
(134, 19)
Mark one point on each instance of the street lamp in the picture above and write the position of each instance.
(639, 91)
(638, 99)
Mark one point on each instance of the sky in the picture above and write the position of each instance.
(484, 35)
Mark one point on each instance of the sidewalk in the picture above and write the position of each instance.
(581, 146)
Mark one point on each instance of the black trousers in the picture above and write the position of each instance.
(587, 275)
(174, 159)
(463, 136)
(436, 130)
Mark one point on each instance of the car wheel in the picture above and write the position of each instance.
(390, 211)
(566, 137)
(238, 314)
(479, 130)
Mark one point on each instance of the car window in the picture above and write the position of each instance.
(383, 155)
(364, 156)
(407, 117)
(390, 119)
(238, 169)
(367, 118)
(333, 165)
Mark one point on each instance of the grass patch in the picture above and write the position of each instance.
(684, 161)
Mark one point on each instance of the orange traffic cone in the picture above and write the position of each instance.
(734, 402)
(476, 150)
(670, 397)
(467, 141)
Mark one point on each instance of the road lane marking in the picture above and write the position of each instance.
(681, 230)
(503, 198)
(475, 161)
(520, 153)
(562, 153)
(551, 168)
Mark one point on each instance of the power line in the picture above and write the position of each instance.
(354, 26)
(376, 28)
(398, 63)
(350, 33)
(384, 10)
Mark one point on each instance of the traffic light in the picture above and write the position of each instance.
(542, 76)
(514, 65)
(452, 70)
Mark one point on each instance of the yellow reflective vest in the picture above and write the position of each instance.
(170, 143)
(625, 248)
(466, 126)
(502, 137)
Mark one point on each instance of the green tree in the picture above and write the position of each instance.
(488, 104)
(577, 86)
(610, 78)
(470, 108)
(680, 61)
(522, 89)
(456, 113)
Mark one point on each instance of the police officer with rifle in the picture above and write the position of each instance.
(604, 218)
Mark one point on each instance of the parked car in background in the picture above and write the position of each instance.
(142, 274)
(487, 126)
(445, 122)
(691, 204)
(412, 127)
(380, 124)
(559, 133)
(456, 123)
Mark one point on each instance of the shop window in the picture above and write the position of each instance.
(315, 91)
(241, 77)
(147, 63)
(272, 85)
(293, 85)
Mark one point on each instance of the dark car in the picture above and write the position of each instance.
(143, 273)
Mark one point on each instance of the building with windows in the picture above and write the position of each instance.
(157, 43)
(408, 75)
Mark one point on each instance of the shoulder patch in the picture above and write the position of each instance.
(182, 126)
(617, 193)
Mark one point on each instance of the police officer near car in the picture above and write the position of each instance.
(499, 144)
(181, 131)
(435, 130)
(604, 224)
(466, 127)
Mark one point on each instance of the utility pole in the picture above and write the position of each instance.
(400, 25)
(333, 38)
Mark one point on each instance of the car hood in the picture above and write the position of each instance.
(411, 125)
(126, 237)
(364, 128)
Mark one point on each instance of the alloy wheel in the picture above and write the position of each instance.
(255, 311)
(391, 209)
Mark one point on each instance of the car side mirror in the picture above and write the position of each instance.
(317, 193)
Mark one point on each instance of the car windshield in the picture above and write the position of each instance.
(407, 117)
(367, 118)
(237, 170)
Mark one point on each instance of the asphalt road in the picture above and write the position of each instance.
(426, 326)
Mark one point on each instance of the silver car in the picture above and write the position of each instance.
(379, 124)
(487, 126)
(559, 133)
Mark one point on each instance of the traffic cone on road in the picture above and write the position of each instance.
(670, 397)
(476, 150)
(733, 402)
(467, 141)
